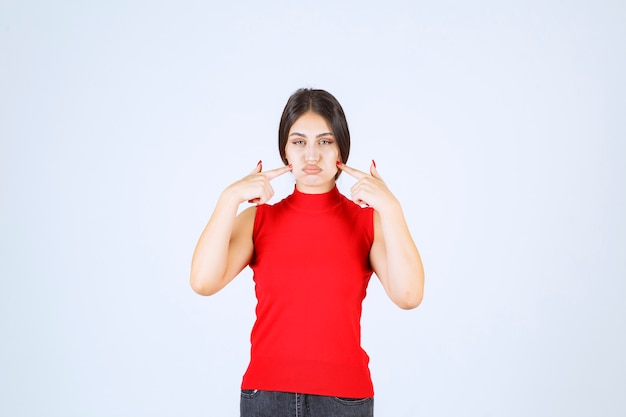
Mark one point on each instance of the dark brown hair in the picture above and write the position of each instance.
(320, 102)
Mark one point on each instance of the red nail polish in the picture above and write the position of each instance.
(259, 162)
(374, 162)
(338, 163)
(290, 166)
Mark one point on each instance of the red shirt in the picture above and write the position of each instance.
(311, 270)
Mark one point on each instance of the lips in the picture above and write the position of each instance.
(312, 169)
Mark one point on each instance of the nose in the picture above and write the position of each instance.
(312, 154)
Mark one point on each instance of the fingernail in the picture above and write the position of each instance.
(290, 166)
(338, 163)
(259, 162)
(374, 162)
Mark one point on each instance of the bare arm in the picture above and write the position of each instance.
(225, 246)
(394, 255)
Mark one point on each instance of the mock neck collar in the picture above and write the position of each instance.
(315, 202)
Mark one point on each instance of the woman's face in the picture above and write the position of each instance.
(313, 152)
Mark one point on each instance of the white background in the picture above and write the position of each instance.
(500, 126)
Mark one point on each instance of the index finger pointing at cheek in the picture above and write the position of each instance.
(273, 173)
(355, 173)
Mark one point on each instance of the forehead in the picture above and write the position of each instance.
(310, 122)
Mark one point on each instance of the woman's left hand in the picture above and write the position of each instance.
(370, 189)
(393, 256)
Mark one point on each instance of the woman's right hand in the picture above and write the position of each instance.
(255, 187)
(225, 246)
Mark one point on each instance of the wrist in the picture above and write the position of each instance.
(230, 197)
(391, 207)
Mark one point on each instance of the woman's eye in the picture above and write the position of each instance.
(325, 142)
(298, 142)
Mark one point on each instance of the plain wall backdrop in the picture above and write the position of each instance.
(499, 125)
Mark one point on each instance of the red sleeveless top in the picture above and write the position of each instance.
(311, 270)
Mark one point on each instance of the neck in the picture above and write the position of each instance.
(317, 202)
(315, 189)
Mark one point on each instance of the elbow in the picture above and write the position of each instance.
(411, 297)
(202, 287)
(410, 301)
(201, 290)
(406, 287)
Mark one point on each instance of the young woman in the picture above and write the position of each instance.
(312, 254)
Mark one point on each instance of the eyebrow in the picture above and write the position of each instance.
(317, 137)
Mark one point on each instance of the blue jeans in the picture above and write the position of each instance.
(256, 403)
